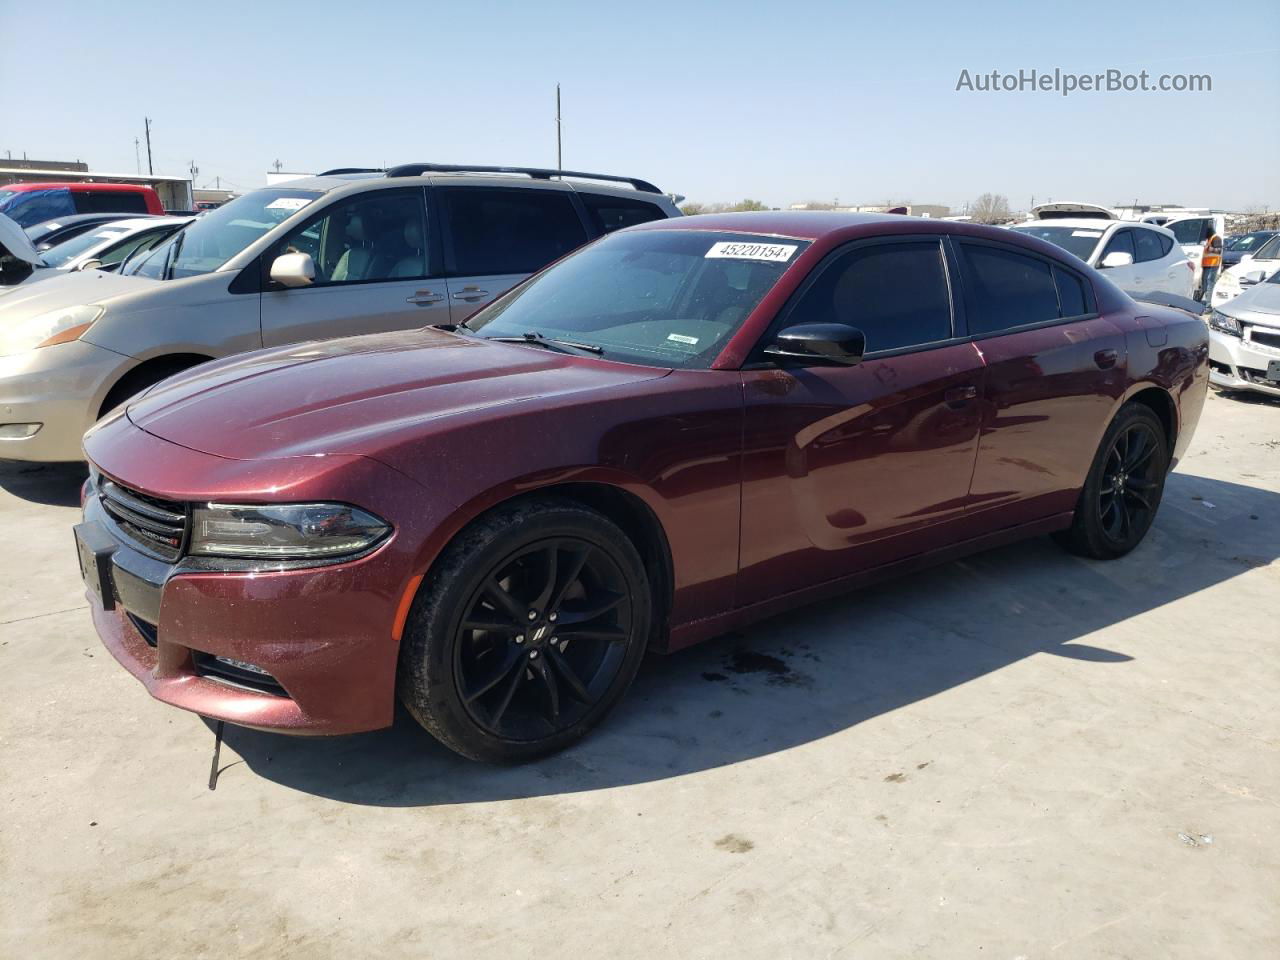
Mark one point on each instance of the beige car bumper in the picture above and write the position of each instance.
(61, 388)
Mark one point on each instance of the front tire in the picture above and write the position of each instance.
(1122, 492)
(527, 631)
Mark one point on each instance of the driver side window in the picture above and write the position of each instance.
(895, 293)
(380, 235)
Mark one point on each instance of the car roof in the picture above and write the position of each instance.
(139, 223)
(79, 185)
(514, 177)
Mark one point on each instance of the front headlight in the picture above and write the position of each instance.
(1220, 321)
(46, 329)
(293, 531)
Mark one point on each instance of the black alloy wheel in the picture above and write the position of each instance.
(526, 632)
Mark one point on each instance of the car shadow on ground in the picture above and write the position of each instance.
(806, 675)
(52, 484)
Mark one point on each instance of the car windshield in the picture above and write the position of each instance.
(1079, 241)
(668, 298)
(1269, 250)
(213, 239)
(1249, 241)
(63, 253)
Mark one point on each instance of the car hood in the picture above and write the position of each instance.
(358, 395)
(1261, 300)
(66, 288)
(14, 242)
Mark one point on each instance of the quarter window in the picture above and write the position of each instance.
(896, 294)
(1003, 289)
(1147, 245)
(1071, 299)
(496, 231)
(613, 213)
(380, 235)
(1166, 244)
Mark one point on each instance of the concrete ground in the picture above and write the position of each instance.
(1020, 755)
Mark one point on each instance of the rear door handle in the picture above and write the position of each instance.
(959, 396)
(471, 294)
(423, 297)
(1106, 359)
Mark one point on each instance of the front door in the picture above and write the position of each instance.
(494, 237)
(374, 272)
(847, 468)
(1053, 373)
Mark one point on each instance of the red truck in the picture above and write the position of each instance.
(32, 203)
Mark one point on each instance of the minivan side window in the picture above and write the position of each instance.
(493, 231)
(608, 214)
(895, 293)
(1003, 289)
(381, 235)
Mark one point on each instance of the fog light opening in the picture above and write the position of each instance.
(19, 431)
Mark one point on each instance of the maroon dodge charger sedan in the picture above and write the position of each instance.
(681, 428)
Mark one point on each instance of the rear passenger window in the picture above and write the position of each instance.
(895, 294)
(1122, 242)
(613, 213)
(494, 231)
(1071, 299)
(109, 201)
(1147, 245)
(1003, 289)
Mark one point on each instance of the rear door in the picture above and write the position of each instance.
(376, 270)
(1126, 278)
(848, 468)
(1054, 370)
(494, 237)
(1161, 262)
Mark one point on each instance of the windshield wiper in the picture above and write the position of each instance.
(553, 343)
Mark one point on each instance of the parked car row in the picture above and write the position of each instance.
(489, 505)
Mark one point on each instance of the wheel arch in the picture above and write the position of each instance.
(161, 366)
(609, 496)
(1158, 400)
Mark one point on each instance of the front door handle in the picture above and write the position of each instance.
(422, 298)
(1106, 359)
(471, 294)
(959, 396)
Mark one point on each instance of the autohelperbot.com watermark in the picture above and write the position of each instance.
(1065, 82)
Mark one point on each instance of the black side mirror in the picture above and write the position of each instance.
(826, 344)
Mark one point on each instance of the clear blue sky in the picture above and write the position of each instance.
(779, 101)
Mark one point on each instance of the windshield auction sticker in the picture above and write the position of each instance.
(774, 252)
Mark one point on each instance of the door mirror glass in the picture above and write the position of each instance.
(93, 264)
(1116, 259)
(293, 269)
(834, 344)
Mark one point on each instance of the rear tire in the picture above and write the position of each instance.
(527, 631)
(1123, 489)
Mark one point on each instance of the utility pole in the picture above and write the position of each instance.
(194, 170)
(278, 165)
(147, 124)
(137, 158)
(559, 158)
(217, 183)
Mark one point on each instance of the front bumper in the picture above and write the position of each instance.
(61, 388)
(326, 636)
(1236, 363)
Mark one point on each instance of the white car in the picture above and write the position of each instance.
(105, 246)
(1192, 232)
(1244, 340)
(1140, 258)
(1253, 269)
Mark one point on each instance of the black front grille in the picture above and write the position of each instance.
(158, 525)
(1266, 338)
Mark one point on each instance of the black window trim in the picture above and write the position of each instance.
(449, 261)
(580, 198)
(1091, 299)
(755, 359)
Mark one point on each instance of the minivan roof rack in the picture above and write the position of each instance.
(537, 173)
(339, 171)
